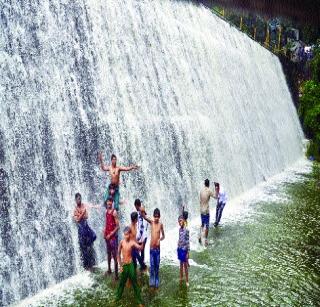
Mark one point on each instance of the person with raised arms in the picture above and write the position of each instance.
(114, 171)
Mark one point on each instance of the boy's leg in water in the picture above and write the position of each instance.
(207, 224)
(186, 273)
(157, 266)
(221, 207)
(123, 278)
(152, 269)
(109, 262)
(142, 251)
(217, 214)
(133, 278)
(134, 257)
(114, 255)
(201, 229)
(181, 271)
(139, 258)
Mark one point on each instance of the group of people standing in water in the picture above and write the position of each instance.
(130, 251)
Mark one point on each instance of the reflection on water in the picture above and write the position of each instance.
(306, 12)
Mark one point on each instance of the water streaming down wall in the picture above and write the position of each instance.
(164, 83)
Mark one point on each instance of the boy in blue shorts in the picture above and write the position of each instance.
(205, 195)
(183, 249)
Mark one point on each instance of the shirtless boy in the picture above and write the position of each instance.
(183, 249)
(157, 235)
(114, 171)
(126, 265)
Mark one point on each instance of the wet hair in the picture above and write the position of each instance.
(216, 184)
(134, 216)
(207, 182)
(126, 229)
(137, 203)
(113, 156)
(185, 215)
(156, 212)
(77, 195)
(108, 199)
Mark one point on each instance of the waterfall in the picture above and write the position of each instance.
(164, 84)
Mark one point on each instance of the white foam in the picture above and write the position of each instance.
(56, 292)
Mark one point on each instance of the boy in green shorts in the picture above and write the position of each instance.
(126, 265)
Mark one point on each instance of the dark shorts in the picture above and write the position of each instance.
(205, 219)
(182, 254)
(115, 196)
(112, 246)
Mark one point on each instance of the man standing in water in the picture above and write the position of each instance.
(221, 197)
(86, 235)
(114, 170)
(205, 195)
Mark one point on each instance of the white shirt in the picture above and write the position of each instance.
(222, 196)
(142, 228)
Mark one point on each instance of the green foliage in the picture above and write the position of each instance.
(315, 68)
(313, 150)
(310, 34)
(309, 107)
(315, 63)
(309, 111)
(316, 173)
